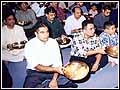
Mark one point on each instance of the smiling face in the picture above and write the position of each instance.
(10, 20)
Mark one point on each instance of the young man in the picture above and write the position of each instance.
(101, 18)
(54, 25)
(44, 61)
(86, 47)
(109, 38)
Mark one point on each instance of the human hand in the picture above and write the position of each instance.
(101, 51)
(59, 70)
(53, 84)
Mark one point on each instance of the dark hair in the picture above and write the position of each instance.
(50, 10)
(73, 9)
(106, 7)
(38, 25)
(108, 24)
(86, 22)
(9, 12)
(19, 3)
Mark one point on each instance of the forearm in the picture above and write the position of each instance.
(42, 68)
(98, 58)
(55, 76)
(91, 52)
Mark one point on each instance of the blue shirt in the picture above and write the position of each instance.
(108, 40)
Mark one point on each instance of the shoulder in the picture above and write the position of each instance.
(70, 17)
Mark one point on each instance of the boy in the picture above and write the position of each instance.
(109, 38)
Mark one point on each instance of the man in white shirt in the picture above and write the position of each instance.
(13, 42)
(12, 35)
(44, 61)
(74, 22)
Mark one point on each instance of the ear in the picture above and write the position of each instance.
(46, 15)
(35, 33)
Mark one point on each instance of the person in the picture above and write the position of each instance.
(54, 25)
(101, 18)
(86, 47)
(26, 18)
(44, 61)
(13, 36)
(109, 38)
(74, 22)
(93, 10)
(60, 13)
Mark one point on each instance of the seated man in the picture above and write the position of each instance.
(54, 25)
(86, 47)
(44, 61)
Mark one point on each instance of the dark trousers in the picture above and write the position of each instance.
(36, 79)
(90, 60)
(7, 81)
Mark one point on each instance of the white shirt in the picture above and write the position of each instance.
(71, 23)
(38, 11)
(36, 52)
(10, 36)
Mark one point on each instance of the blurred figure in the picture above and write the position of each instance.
(101, 18)
(26, 18)
(93, 11)
(60, 13)
(74, 22)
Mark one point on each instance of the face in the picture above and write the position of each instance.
(24, 6)
(77, 13)
(42, 34)
(89, 30)
(50, 16)
(94, 8)
(106, 12)
(112, 29)
(10, 21)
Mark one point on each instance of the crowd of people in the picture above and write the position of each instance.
(30, 30)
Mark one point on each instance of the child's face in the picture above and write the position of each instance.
(112, 29)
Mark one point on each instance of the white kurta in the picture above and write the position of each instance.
(10, 36)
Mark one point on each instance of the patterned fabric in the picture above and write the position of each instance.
(80, 45)
(108, 40)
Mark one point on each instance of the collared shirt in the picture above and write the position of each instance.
(10, 36)
(108, 40)
(81, 45)
(71, 23)
(55, 27)
(48, 54)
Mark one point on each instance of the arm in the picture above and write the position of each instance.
(53, 83)
(43, 68)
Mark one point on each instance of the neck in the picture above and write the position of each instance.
(10, 27)
(86, 36)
